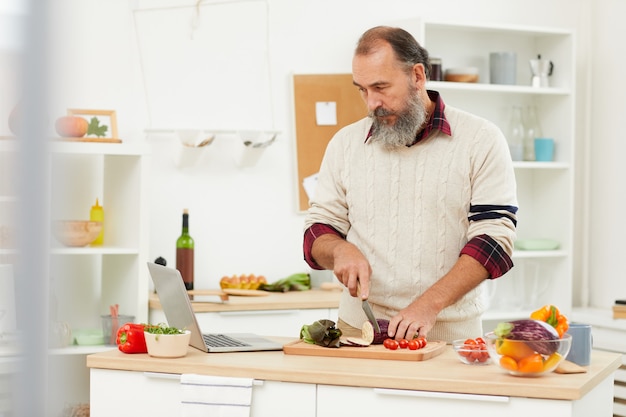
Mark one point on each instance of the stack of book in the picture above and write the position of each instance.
(619, 309)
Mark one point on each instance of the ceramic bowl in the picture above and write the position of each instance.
(471, 354)
(76, 233)
(521, 358)
(167, 345)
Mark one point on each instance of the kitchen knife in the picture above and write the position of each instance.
(368, 311)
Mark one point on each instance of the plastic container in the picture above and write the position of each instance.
(111, 325)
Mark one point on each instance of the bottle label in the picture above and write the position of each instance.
(184, 264)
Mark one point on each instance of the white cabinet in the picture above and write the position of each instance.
(545, 189)
(284, 323)
(87, 280)
(287, 399)
(159, 394)
(374, 402)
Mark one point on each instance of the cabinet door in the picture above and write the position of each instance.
(365, 402)
(156, 395)
(286, 323)
(131, 394)
(283, 399)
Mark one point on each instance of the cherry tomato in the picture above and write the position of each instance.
(471, 342)
(386, 342)
(480, 341)
(393, 344)
(403, 343)
(423, 342)
(475, 355)
(413, 344)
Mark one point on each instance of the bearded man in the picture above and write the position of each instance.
(416, 202)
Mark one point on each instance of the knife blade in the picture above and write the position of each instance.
(367, 308)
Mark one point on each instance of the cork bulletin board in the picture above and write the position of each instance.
(311, 91)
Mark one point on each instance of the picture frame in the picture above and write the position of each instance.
(105, 118)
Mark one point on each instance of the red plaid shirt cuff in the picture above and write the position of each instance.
(490, 254)
(312, 233)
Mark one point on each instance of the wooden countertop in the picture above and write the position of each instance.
(443, 373)
(273, 301)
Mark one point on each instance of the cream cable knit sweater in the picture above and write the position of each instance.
(407, 211)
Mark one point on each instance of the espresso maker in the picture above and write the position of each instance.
(541, 70)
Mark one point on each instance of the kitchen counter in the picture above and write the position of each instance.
(311, 299)
(443, 373)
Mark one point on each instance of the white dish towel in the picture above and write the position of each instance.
(215, 396)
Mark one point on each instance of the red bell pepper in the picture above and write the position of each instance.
(130, 338)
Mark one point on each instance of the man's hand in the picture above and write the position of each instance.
(345, 260)
(419, 317)
(415, 320)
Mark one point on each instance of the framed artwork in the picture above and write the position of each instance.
(102, 123)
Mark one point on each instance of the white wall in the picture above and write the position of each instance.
(606, 149)
(244, 220)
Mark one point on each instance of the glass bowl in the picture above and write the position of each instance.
(471, 354)
(522, 358)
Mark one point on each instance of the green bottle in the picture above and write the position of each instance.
(184, 253)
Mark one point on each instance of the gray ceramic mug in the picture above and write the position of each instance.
(582, 342)
(503, 68)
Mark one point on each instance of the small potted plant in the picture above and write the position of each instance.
(163, 341)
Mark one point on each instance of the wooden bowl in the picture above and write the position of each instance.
(76, 233)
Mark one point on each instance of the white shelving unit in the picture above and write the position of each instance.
(545, 189)
(87, 280)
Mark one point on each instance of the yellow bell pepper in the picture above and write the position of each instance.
(551, 315)
(515, 349)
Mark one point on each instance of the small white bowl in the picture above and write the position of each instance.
(167, 345)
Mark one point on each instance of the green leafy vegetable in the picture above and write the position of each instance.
(321, 332)
(295, 282)
(161, 328)
(94, 127)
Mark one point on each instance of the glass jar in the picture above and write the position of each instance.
(516, 134)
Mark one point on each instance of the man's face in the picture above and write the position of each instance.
(391, 95)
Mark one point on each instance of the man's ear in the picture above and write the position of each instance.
(419, 74)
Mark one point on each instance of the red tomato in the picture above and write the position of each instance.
(475, 355)
(393, 344)
(480, 340)
(386, 342)
(413, 344)
(423, 341)
(403, 343)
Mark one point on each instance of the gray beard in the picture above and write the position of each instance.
(403, 131)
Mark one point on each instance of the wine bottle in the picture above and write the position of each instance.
(184, 253)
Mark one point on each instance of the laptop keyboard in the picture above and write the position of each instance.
(221, 340)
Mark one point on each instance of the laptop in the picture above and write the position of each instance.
(177, 308)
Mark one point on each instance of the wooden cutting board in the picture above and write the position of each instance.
(431, 350)
(245, 293)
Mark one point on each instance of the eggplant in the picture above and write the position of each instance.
(377, 338)
(533, 332)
